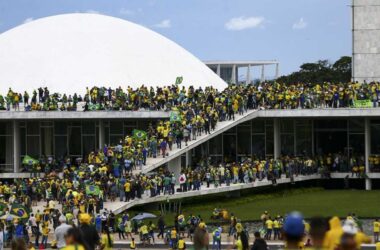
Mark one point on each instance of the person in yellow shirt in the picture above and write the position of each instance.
(45, 233)
(181, 244)
(106, 240)
(133, 244)
(376, 230)
(276, 229)
(333, 236)
(269, 227)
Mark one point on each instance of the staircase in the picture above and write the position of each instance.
(153, 163)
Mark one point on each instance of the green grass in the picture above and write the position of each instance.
(310, 201)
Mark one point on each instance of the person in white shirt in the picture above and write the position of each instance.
(61, 231)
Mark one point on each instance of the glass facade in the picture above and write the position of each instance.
(255, 138)
(6, 147)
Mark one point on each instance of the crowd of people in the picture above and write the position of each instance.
(272, 95)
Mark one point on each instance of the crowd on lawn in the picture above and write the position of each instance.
(85, 232)
(263, 95)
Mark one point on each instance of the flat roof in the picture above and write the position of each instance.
(240, 62)
(269, 113)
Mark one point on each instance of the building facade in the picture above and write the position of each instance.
(229, 71)
(365, 40)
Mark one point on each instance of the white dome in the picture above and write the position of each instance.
(69, 52)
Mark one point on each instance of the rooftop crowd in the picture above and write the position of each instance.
(264, 95)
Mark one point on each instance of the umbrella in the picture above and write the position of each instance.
(143, 216)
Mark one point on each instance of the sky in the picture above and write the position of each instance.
(290, 31)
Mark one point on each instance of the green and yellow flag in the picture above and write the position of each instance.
(178, 80)
(29, 160)
(20, 211)
(139, 134)
(175, 117)
(92, 190)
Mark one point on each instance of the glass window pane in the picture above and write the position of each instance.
(33, 146)
(60, 128)
(287, 144)
(75, 141)
(60, 146)
(286, 126)
(5, 128)
(33, 128)
(88, 128)
(244, 141)
(88, 145)
(47, 141)
(23, 141)
(229, 147)
(375, 142)
(258, 126)
(356, 125)
(258, 145)
(6, 154)
(215, 145)
(303, 140)
(331, 124)
(269, 146)
(357, 144)
(116, 128)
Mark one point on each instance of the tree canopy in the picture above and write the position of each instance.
(321, 71)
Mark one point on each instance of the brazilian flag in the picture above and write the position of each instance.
(29, 160)
(178, 80)
(3, 205)
(92, 190)
(20, 211)
(175, 117)
(139, 134)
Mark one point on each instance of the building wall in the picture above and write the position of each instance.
(366, 42)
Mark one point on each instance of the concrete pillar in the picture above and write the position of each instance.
(276, 138)
(16, 146)
(367, 151)
(248, 78)
(218, 70)
(233, 75)
(174, 166)
(277, 71)
(262, 73)
(188, 158)
(101, 135)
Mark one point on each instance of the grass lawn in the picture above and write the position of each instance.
(310, 201)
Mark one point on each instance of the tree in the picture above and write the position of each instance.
(321, 71)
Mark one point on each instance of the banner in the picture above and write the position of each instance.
(139, 134)
(20, 211)
(363, 104)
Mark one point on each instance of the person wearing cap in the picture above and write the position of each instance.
(294, 230)
(61, 231)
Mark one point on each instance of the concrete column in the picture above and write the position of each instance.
(233, 75)
(262, 73)
(16, 146)
(174, 166)
(218, 70)
(248, 78)
(276, 138)
(101, 135)
(188, 158)
(277, 70)
(367, 151)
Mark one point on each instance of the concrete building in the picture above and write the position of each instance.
(229, 70)
(365, 40)
(348, 133)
